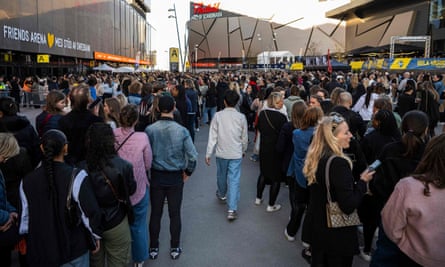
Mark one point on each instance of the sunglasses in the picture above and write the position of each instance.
(336, 119)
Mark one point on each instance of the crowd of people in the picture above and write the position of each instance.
(107, 148)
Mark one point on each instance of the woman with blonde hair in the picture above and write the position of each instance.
(270, 122)
(331, 246)
(9, 235)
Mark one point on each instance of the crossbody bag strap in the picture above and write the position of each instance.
(268, 121)
(110, 184)
(70, 188)
(328, 187)
(128, 137)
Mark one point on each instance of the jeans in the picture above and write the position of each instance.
(81, 261)
(208, 113)
(115, 247)
(228, 173)
(139, 230)
(174, 197)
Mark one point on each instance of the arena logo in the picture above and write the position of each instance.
(49, 39)
(200, 8)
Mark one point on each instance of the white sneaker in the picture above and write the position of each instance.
(288, 237)
(258, 201)
(366, 256)
(273, 208)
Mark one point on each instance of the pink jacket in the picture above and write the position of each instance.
(137, 151)
(415, 222)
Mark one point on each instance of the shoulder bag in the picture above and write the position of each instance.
(126, 201)
(336, 218)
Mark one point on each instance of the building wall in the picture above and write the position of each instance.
(72, 28)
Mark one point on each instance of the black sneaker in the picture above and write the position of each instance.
(153, 253)
(175, 253)
(307, 255)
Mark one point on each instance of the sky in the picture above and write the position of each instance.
(164, 33)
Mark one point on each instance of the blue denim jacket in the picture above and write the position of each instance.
(5, 207)
(172, 146)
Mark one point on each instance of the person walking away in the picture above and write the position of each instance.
(174, 160)
(270, 122)
(113, 183)
(412, 214)
(135, 148)
(228, 134)
(60, 215)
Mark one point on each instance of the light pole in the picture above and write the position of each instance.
(196, 58)
(177, 31)
(262, 51)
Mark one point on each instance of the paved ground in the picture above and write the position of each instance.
(255, 239)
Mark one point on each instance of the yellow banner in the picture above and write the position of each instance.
(174, 55)
(296, 66)
(42, 58)
(400, 63)
(356, 65)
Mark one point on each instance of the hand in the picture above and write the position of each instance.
(208, 161)
(97, 247)
(367, 175)
(12, 217)
(185, 177)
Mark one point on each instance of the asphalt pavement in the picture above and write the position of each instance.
(208, 239)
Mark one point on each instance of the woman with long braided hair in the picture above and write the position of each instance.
(60, 215)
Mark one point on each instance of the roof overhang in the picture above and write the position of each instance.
(368, 8)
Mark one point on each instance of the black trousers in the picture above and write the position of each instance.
(298, 198)
(274, 189)
(158, 193)
(321, 259)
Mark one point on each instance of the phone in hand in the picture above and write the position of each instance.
(374, 165)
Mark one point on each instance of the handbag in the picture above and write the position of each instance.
(126, 202)
(336, 218)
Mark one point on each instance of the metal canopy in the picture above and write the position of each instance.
(426, 39)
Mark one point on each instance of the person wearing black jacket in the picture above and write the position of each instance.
(399, 159)
(113, 182)
(75, 124)
(60, 217)
(331, 246)
(356, 124)
(21, 127)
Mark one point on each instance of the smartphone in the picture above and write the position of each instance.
(95, 103)
(374, 165)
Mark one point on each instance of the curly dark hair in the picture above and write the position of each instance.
(100, 146)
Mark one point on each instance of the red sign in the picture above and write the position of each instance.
(201, 8)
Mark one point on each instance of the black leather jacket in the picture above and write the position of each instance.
(120, 175)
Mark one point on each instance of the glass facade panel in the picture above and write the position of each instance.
(70, 28)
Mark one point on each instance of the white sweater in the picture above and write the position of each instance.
(228, 133)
